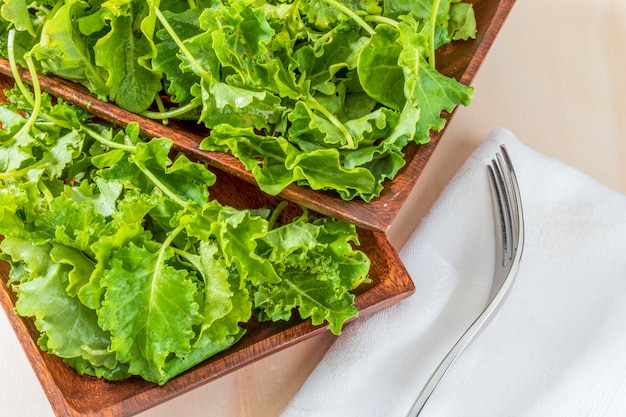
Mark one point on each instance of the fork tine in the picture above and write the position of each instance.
(505, 195)
(515, 203)
(507, 218)
(498, 204)
(514, 206)
(507, 209)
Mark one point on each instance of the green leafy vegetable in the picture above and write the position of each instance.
(323, 93)
(126, 265)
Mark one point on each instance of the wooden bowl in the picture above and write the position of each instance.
(460, 60)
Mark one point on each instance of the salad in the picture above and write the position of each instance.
(322, 93)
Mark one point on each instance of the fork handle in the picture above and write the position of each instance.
(458, 348)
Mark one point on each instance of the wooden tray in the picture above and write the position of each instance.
(73, 395)
(460, 60)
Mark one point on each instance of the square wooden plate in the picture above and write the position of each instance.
(73, 395)
(459, 60)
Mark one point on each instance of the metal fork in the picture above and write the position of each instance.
(509, 233)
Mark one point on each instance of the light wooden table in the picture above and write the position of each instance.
(555, 77)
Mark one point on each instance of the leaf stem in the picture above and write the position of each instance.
(108, 142)
(194, 63)
(157, 182)
(192, 259)
(34, 102)
(37, 101)
(350, 13)
(161, 107)
(168, 114)
(381, 19)
(168, 241)
(35, 79)
(161, 260)
(12, 63)
(20, 84)
(275, 213)
(433, 22)
(313, 103)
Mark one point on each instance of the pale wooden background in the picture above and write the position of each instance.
(555, 77)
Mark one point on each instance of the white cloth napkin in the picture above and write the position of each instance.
(556, 347)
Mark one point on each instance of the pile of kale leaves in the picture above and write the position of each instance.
(128, 267)
(325, 93)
